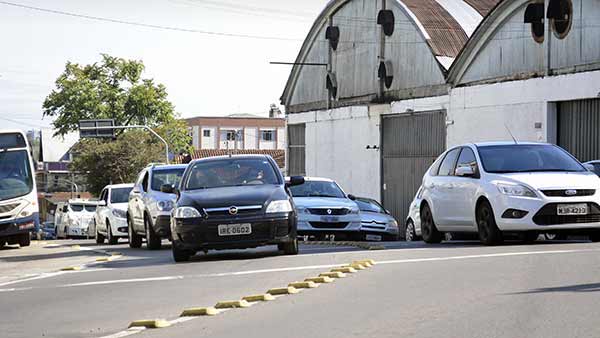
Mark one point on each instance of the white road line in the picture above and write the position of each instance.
(49, 275)
(15, 289)
(121, 281)
(125, 333)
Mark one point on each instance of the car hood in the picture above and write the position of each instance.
(232, 196)
(554, 180)
(119, 206)
(324, 202)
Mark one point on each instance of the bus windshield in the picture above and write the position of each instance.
(15, 174)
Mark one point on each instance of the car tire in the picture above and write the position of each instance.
(135, 240)
(153, 241)
(112, 240)
(429, 231)
(410, 234)
(489, 234)
(290, 248)
(179, 254)
(99, 237)
(24, 240)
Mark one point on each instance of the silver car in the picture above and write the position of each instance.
(325, 209)
(413, 221)
(376, 224)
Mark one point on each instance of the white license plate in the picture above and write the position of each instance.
(235, 229)
(572, 209)
(376, 238)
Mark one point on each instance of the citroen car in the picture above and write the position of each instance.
(233, 202)
(507, 187)
(376, 223)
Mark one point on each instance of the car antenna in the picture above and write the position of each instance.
(511, 134)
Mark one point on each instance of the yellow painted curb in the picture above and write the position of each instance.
(319, 279)
(76, 246)
(102, 259)
(232, 304)
(370, 261)
(283, 291)
(355, 266)
(333, 274)
(199, 311)
(71, 268)
(150, 323)
(304, 285)
(344, 270)
(259, 298)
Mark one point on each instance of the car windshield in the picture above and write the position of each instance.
(15, 174)
(318, 189)
(76, 207)
(367, 205)
(166, 176)
(231, 172)
(90, 207)
(518, 158)
(120, 195)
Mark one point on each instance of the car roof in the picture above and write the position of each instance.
(258, 156)
(122, 185)
(317, 179)
(168, 166)
(505, 143)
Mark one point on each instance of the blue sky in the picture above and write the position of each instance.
(204, 74)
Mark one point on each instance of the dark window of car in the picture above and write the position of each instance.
(103, 195)
(231, 172)
(368, 205)
(90, 207)
(120, 195)
(166, 176)
(517, 158)
(317, 189)
(447, 166)
(467, 159)
(597, 168)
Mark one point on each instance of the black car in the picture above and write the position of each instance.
(233, 202)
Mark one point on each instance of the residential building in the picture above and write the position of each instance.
(56, 157)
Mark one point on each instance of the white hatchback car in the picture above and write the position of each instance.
(111, 214)
(497, 188)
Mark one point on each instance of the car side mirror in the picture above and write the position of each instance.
(466, 171)
(352, 197)
(102, 203)
(168, 189)
(295, 180)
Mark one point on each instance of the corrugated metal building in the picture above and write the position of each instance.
(404, 79)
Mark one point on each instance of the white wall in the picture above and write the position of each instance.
(281, 138)
(196, 137)
(209, 142)
(251, 138)
(268, 145)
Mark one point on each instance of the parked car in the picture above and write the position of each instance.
(48, 230)
(76, 219)
(233, 202)
(111, 215)
(413, 220)
(149, 209)
(593, 166)
(325, 209)
(497, 188)
(376, 223)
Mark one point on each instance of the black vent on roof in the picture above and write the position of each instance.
(386, 73)
(333, 35)
(386, 19)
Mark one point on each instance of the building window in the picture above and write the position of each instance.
(230, 135)
(560, 13)
(267, 135)
(206, 133)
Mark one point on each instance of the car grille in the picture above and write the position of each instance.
(329, 211)
(8, 207)
(563, 192)
(241, 211)
(329, 225)
(547, 216)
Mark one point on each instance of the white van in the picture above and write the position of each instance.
(74, 219)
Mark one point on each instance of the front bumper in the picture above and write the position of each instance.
(162, 225)
(200, 234)
(320, 224)
(382, 229)
(541, 214)
(18, 226)
(119, 227)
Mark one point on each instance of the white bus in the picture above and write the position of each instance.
(19, 209)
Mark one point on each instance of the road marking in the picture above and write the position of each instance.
(121, 281)
(126, 333)
(48, 275)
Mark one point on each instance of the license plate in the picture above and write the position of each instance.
(373, 238)
(572, 209)
(330, 219)
(235, 229)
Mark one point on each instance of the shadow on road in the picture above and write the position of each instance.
(29, 258)
(591, 287)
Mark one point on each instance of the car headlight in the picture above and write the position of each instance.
(187, 212)
(279, 206)
(164, 205)
(393, 224)
(515, 190)
(119, 213)
(354, 211)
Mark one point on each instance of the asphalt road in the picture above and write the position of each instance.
(459, 289)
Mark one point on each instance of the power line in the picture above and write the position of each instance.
(140, 24)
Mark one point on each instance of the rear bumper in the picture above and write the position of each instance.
(18, 226)
(162, 226)
(198, 234)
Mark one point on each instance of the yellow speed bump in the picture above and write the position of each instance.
(355, 266)
(232, 304)
(333, 274)
(369, 261)
(102, 259)
(319, 279)
(150, 323)
(283, 291)
(199, 311)
(76, 247)
(346, 269)
(71, 268)
(304, 285)
(259, 298)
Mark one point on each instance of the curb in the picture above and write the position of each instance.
(303, 285)
(259, 298)
(232, 304)
(150, 323)
(199, 311)
(360, 245)
(320, 280)
(283, 291)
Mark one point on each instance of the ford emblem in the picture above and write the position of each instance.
(233, 210)
(571, 192)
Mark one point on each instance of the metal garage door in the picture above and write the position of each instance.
(296, 149)
(410, 144)
(579, 128)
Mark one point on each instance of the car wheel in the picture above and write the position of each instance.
(429, 231)
(530, 237)
(112, 240)
(135, 240)
(153, 241)
(99, 237)
(595, 237)
(410, 234)
(290, 248)
(24, 240)
(179, 254)
(489, 234)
